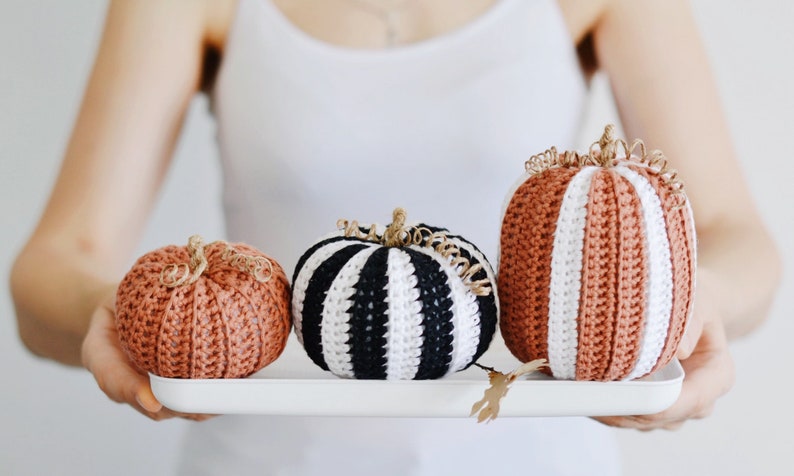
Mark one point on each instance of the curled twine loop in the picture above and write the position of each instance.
(604, 153)
(175, 275)
(398, 234)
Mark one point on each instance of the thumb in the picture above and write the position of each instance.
(146, 399)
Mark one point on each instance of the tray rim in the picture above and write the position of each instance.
(448, 397)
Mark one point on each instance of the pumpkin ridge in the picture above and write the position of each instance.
(525, 262)
(219, 298)
(597, 307)
(313, 303)
(158, 364)
(403, 332)
(487, 306)
(632, 276)
(659, 289)
(678, 220)
(135, 327)
(463, 316)
(171, 319)
(313, 249)
(436, 350)
(228, 277)
(566, 275)
(192, 364)
(271, 299)
(335, 332)
(314, 257)
(279, 294)
(369, 316)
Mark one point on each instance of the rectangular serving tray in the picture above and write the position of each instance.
(300, 388)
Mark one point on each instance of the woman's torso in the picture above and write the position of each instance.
(310, 132)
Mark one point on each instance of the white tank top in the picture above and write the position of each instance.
(311, 132)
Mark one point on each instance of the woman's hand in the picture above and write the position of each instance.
(114, 373)
(707, 363)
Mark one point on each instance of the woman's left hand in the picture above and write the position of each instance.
(708, 367)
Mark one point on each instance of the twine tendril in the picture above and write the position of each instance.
(604, 153)
(181, 274)
(398, 234)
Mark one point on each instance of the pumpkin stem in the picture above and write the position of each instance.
(398, 234)
(174, 275)
(198, 262)
(608, 147)
(395, 234)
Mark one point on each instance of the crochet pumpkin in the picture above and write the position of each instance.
(412, 302)
(597, 262)
(203, 311)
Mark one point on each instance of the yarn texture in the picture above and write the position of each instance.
(597, 263)
(405, 303)
(204, 311)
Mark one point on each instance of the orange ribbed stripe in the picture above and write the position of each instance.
(632, 278)
(527, 237)
(598, 302)
(682, 254)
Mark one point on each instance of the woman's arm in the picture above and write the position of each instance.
(666, 95)
(147, 69)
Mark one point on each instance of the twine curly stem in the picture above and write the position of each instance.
(395, 234)
(607, 147)
(174, 275)
(604, 153)
(398, 234)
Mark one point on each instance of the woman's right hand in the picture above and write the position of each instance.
(103, 356)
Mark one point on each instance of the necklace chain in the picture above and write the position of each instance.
(387, 14)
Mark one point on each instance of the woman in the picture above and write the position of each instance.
(319, 104)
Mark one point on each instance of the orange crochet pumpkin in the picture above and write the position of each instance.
(597, 262)
(203, 311)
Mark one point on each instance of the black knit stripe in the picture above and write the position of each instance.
(369, 317)
(486, 304)
(436, 299)
(318, 286)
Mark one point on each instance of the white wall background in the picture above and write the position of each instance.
(54, 420)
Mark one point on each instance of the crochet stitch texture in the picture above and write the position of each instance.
(368, 311)
(226, 324)
(596, 269)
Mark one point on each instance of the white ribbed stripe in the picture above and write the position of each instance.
(659, 288)
(465, 314)
(566, 275)
(335, 324)
(404, 327)
(302, 281)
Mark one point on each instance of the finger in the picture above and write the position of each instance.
(103, 357)
(709, 375)
(114, 374)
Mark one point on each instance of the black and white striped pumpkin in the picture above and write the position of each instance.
(367, 310)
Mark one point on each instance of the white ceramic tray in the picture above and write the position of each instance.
(300, 388)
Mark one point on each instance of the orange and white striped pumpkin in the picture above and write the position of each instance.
(597, 263)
